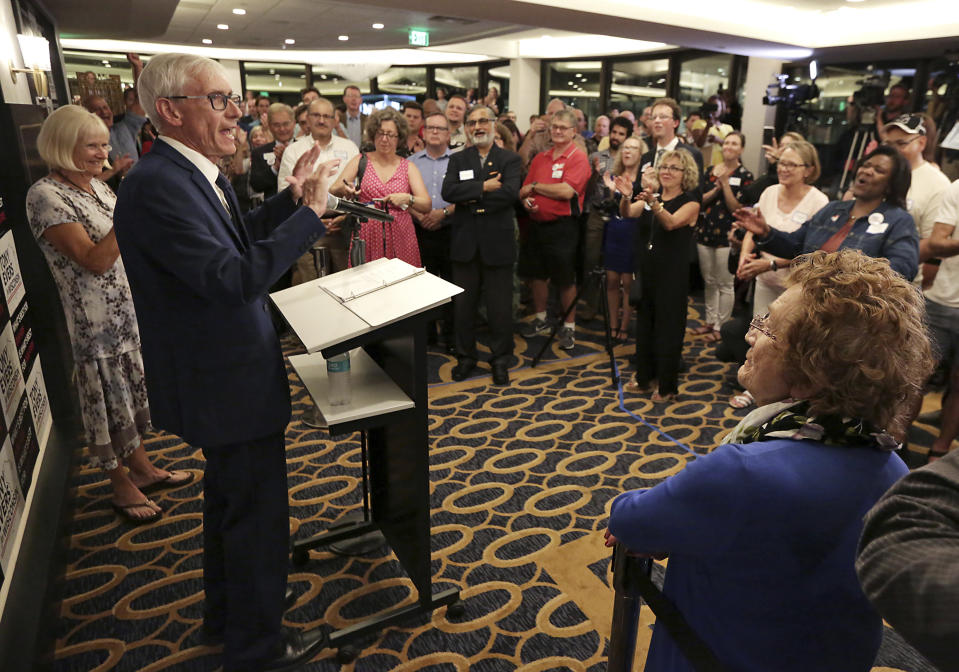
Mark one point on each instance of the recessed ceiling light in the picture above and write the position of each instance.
(855, 0)
(579, 74)
(570, 83)
(238, 11)
(343, 38)
(222, 26)
(207, 40)
(289, 41)
(107, 65)
(105, 61)
(377, 26)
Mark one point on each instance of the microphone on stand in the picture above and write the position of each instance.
(353, 208)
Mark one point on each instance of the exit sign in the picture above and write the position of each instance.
(419, 38)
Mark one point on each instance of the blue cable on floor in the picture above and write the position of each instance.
(622, 407)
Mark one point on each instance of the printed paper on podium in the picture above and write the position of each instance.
(338, 307)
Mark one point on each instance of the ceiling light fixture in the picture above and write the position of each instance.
(343, 38)
(289, 41)
(238, 11)
(223, 26)
(377, 26)
(207, 40)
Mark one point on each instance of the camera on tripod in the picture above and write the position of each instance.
(871, 92)
(789, 95)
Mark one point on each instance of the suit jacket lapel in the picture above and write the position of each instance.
(204, 186)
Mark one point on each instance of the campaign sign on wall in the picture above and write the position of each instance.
(11, 504)
(13, 289)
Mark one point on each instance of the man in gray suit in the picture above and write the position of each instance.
(909, 560)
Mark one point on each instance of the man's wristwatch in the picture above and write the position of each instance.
(532, 187)
(772, 265)
(446, 213)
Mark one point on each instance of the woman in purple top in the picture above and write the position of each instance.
(761, 533)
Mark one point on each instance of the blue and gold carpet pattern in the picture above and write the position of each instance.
(521, 482)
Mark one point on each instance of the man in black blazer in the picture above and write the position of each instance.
(664, 120)
(265, 160)
(199, 271)
(483, 182)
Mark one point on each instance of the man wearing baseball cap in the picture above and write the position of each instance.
(907, 134)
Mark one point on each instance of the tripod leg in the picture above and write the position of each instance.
(556, 327)
(604, 306)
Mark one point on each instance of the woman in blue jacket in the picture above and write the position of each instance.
(761, 533)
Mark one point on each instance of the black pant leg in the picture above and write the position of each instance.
(467, 276)
(246, 524)
(498, 294)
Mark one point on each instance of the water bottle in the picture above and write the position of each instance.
(338, 373)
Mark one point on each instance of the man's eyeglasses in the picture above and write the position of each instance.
(661, 117)
(324, 117)
(558, 127)
(387, 135)
(789, 165)
(759, 324)
(481, 122)
(901, 143)
(218, 101)
(438, 129)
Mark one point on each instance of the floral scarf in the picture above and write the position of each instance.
(790, 419)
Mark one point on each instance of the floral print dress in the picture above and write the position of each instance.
(400, 234)
(100, 319)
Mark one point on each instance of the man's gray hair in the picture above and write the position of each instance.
(480, 106)
(168, 75)
(567, 115)
(279, 108)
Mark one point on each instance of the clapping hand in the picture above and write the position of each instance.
(315, 189)
(302, 171)
(622, 184)
(752, 220)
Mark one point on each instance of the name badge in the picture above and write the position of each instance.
(877, 228)
(558, 174)
(799, 217)
(735, 181)
(466, 174)
(339, 154)
(270, 158)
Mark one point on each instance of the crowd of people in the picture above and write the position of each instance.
(846, 305)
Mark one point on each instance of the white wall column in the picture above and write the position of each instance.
(524, 89)
(233, 75)
(760, 73)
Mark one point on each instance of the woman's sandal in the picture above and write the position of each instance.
(713, 337)
(635, 388)
(658, 398)
(699, 331)
(125, 511)
(744, 400)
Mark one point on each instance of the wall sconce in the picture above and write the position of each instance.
(36, 56)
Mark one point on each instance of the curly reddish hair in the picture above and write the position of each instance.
(859, 340)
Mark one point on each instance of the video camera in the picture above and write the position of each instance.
(789, 95)
(871, 92)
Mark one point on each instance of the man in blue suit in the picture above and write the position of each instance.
(199, 272)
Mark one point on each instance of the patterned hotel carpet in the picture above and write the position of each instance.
(521, 481)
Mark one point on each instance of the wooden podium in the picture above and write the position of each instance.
(385, 331)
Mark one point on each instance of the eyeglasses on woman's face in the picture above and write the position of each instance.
(759, 324)
(386, 135)
(790, 165)
(671, 168)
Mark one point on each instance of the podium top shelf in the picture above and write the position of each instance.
(320, 320)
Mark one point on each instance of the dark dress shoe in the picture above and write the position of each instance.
(500, 373)
(298, 648)
(463, 369)
(211, 636)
